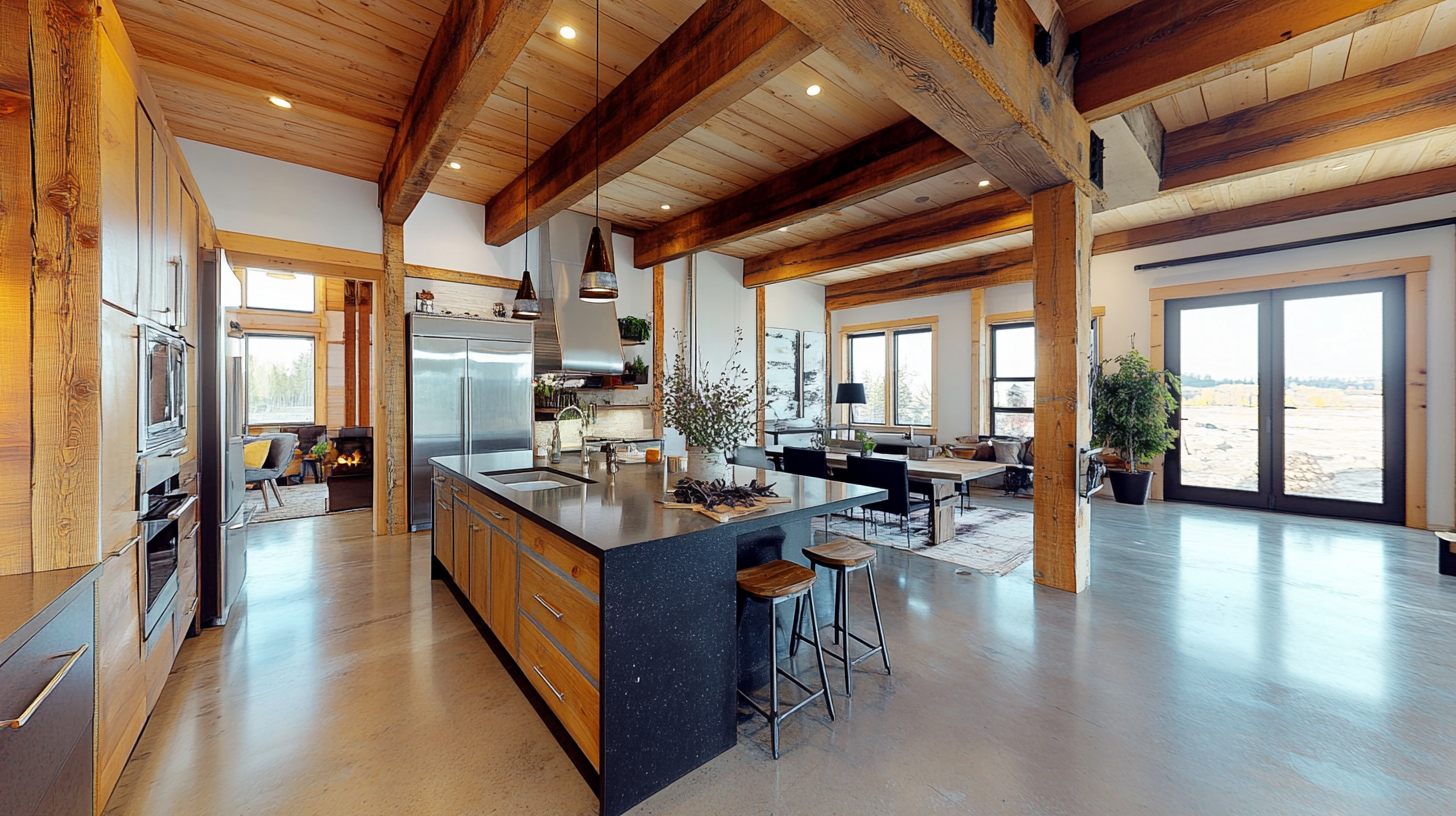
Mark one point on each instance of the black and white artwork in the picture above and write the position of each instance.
(814, 368)
(781, 374)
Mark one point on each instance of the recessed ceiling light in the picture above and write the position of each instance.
(985, 183)
(454, 165)
(568, 33)
(1340, 167)
(813, 90)
(922, 199)
(783, 229)
(280, 102)
(667, 206)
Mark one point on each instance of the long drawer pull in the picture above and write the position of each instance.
(455, 489)
(176, 514)
(548, 606)
(237, 526)
(195, 528)
(438, 479)
(30, 710)
(498, 516)
(443, 506)
(129, 545)
(559, 695)
(193, 607)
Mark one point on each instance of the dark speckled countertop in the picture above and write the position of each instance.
(619, 510)
(24, 597)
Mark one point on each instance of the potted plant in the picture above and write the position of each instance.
(867, 443)
(637, 370)
(634, 329)
(714, 414)
(1130, 412)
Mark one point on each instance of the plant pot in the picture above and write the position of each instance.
(1131, 487)
(707, 465)
(866, 453)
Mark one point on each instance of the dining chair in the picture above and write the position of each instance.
(892, 476)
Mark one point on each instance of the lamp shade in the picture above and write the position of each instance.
(598, 281)
(849, 394)
(527, 307)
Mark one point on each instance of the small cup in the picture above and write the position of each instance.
(654, 455)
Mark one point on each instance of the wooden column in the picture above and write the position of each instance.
(1062, 242)
(391, 454)
(66, 309)
(364, 348)
(17, 202)
(351, 336)
(980, 383)
(659, 354)
(761, 322)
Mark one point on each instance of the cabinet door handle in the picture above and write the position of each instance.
(129, 545)
(548, 606)
(443, 506)
(559, 695)
(29, 711)
(195, 528)
(176, 514)
(498, 516)
(174, 452)
(238, 526)
(438, 479)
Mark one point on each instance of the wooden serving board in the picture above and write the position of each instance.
(721, 513)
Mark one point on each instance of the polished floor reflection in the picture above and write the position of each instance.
(1223, 662)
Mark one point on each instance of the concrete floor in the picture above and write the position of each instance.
(1223, 662)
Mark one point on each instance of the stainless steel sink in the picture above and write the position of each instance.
(531, 480)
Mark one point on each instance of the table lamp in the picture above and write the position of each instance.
(850, 394)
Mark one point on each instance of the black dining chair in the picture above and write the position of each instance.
(807, 462)
(892, 476)
(753, 457)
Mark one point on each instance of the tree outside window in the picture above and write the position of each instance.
(903, 355)
(280, 375)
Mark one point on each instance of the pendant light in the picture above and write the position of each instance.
(598, 280)
(527, 307)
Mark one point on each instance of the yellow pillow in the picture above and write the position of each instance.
(256, 453)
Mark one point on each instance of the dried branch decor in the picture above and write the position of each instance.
(716, 414)
(719, 493)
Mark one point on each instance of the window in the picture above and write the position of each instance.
(279, 291)
(896, 365)
(1013, 379)
(280, 379)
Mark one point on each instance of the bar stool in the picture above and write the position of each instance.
(775, 583)
(845, 557)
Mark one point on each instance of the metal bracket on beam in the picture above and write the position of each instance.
(983, 19)
(1041, 44)
(1094, 169)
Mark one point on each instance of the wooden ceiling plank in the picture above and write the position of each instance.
(724, 50)
(998, 104)
(1328, 61)
(1388, 42)
(475, 46)
(1441, 33)
(899, 155)
(1289, 77)
(977, 219)
(1000, 269)
(1395, 102)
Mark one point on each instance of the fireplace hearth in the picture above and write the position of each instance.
(351, 480)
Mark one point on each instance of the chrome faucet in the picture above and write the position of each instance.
(556, 431)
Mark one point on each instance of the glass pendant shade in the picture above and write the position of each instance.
(527, 307)
(598, 280)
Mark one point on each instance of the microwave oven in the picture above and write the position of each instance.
(162, 381)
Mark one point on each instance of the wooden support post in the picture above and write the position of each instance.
(980, 383)
(391, 452)
(1155, 355)
(1415, 400)
(1062, 242)
(66, 307)
(351, 333)
(659, 325)
(760, 321)
(365, 349)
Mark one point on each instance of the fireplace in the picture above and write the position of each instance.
(351, 480)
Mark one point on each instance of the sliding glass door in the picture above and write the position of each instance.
(1293, 399)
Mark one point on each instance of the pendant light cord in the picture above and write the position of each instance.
(528, 180)
(597, 107)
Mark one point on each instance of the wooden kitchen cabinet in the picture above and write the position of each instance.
(502, 617)
(121, 682)
(477, 584)
(442, 529)
(459, 539)
(119, 224)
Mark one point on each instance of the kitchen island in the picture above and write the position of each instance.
(621, 614)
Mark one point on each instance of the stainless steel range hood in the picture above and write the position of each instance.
(572, 336)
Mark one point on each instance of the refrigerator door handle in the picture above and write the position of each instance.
(465, 415)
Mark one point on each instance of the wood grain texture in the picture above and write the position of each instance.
(17, 204)
(980, 358)
(121, 681)
(351, 352)
(1396, 102)
(365, 350)
(724, 50)
(66, 309)
(1416, 442)
(566, 691)
(1061, 555)
(1154, 50)
(760, 368)
(1285, 280)
(899, 155)
(453, 276)
(1156, 351)
(298, 251)
(984, 217)
(567, 557)
(503, 580)
(474, 46)
(659, 347)
(997, 103)
(1000, 269)
(544, 595)
(391, 452)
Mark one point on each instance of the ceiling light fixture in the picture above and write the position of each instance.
(598, 280)
(526, 307)
(667, 206)
(568, 33)
(783, 229)
(984, 183)
(1341, 166)
(277, 275)
(454, 165)
(280, 102)
(813, 90)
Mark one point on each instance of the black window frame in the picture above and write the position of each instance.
(996, 378)
(849, 339)
(893, 386)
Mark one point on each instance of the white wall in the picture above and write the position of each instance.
(1124, 293)
(450, 234)
(794, 305)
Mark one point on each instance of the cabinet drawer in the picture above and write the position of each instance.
(566, 690)
(567, 557)
(494, 512)
(564, 612)
(33, 755)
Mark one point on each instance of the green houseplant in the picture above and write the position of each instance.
(637, 370)
(1130, 412)
(714, 414)
(634, 329)
(867, 443)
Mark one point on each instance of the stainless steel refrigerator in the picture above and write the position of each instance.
(223, 545)
(470, 392)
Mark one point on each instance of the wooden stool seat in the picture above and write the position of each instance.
(840, 553)
(776, 579)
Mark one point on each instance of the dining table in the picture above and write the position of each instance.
(940, 473)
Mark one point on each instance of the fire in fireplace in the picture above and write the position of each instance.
(351, 483)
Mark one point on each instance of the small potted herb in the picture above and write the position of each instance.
(637, 370)
(634, 329)
(867, 443)
(1130, 412)
(321, 449)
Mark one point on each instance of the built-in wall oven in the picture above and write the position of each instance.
(163, 389)
(162, 504)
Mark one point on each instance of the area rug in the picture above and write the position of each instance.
(299, 501)
(989, 540)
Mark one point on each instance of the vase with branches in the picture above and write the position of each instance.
(1131, 409)
(714, 413)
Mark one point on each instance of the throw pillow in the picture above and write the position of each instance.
(1007, 451)
(985, 452)
(256, 453)
(1028, 456)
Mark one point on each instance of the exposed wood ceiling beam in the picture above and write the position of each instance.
(724, 50)
(1015, 266)
(474, 47)
(995, 102)
(976, 219)
(901, 154)
(1152, 50)
(1395, 102)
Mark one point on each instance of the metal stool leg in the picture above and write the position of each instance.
(879, 626)
(773, 677)
(844, 612)
(819, 652)
(794, 637)
(838, 580)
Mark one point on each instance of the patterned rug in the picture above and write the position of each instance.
(988, 539)
(299, 501)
